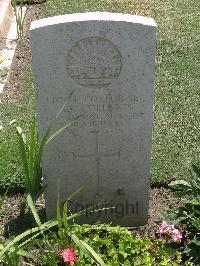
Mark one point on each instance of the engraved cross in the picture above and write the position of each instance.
(98, 156)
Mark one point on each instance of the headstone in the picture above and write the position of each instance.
(108, 61)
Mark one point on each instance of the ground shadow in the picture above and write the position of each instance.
(23, 222)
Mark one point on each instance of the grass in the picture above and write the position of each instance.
(176, 111)
(22, 112)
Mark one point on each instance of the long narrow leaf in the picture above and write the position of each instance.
(38, 157)
(23, 153)
(31, 149)
(88, 250)
(65, 224)
(29, 239)
(18, 238)
(66, 103)
(33, 210)
(65, 216)
(83, 212)
(59, 131)
(75, 193)
(58, 214)
(25, 254)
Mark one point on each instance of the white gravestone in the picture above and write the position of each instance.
(108, 61)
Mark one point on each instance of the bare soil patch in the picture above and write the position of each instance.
(12, 223)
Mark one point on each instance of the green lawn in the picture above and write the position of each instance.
(11, 173)
(177, 95)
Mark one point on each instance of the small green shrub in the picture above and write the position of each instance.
(118, 246)
(188, 216)
(93, 245)
(39, 240)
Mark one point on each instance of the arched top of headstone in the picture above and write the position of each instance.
(92, 16)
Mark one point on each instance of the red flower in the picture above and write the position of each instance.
(69, 256)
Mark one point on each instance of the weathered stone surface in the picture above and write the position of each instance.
(108, 61)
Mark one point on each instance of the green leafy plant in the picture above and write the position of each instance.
(31, 151)
(118, 247)
(188, 215)
(11, 251)
(12, 257)
(93, 244)
(19, 17)
(67, 236)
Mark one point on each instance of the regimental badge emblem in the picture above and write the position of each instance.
(94, 62)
